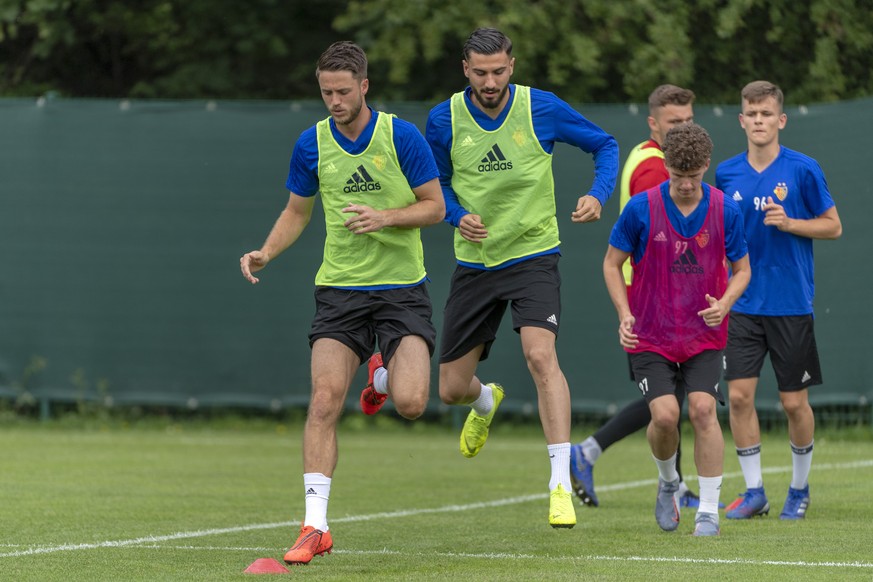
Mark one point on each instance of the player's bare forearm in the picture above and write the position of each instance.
(614, 279)
(615, 284)
(284, 233)
(422, 213)
(826, 226)
(429, 208)
(287, 229)
(741, 274)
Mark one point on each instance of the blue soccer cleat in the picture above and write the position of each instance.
(582, 477)
(689, 499)
(706, 524)
(751, 503)
(795, 504)
(666, 510)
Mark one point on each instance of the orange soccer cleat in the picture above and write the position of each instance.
(312, 542)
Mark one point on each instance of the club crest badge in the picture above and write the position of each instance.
(379, 161)
(702, 239)
(781, 190)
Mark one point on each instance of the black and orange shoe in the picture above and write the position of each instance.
(312, 542)
(372, 401)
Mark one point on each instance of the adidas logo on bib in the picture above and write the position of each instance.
(494, 161)
(687, 264)
(361, 181)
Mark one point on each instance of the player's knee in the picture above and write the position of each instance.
(323, 408)
(795, 406)
(665, 420)
(741, 401)
(701, 413)
(411, 406)
(540, 360)
(451, 393)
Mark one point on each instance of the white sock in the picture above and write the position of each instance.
(750, 463)
(801, 463)
(591, 449)
(710, 490)
(483, 404)
(380, 380)
(667, 468)
(317, 491)
(559, 456)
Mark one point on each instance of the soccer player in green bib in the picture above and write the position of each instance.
(493, 146)
(378, 184)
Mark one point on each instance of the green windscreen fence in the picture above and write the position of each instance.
(122, 224)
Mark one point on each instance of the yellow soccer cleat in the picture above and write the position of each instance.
(475, 431)
(561, 510)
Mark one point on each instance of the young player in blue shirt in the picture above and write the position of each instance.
(786, 205)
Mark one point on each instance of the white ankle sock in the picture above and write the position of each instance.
(559, 456)
(750, 464)
(380, 380)
(317, 491)
(801, 458)
(483, 404)
(667, 468)
(710, 490)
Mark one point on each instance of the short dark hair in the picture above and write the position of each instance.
(487, 41)
(669, 95)
(343, 56)
(687, 147)
(757, 91)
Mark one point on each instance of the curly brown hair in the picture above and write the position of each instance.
(687, 147)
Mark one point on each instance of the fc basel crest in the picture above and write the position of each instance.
(702, 239)
(781, 190)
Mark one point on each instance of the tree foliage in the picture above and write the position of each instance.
(592, 50)
(163, 48)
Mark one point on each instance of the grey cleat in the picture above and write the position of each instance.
(706, 524)
(666, 510)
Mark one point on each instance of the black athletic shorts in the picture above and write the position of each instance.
(657, 376)
(478, 299)
(357, 318)
(790, 340)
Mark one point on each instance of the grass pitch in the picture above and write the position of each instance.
(194, 502)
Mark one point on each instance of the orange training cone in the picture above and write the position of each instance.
(266, 566)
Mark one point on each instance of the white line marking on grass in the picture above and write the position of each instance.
(144, 540)
(504, 556)
(206, 548)
(392, 514)
(561, 558)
